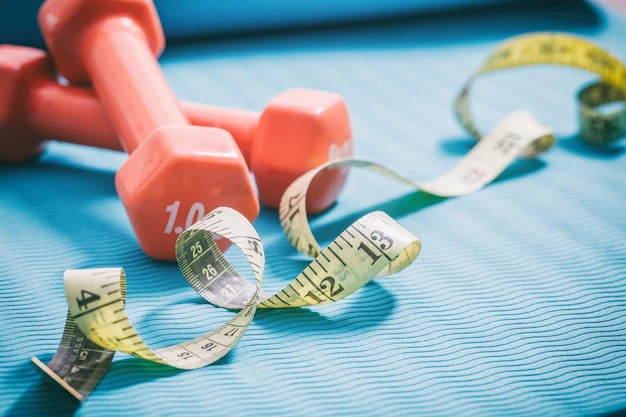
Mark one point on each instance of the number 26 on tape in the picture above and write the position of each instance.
(196, 212)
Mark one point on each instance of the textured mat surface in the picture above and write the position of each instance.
(516, 305)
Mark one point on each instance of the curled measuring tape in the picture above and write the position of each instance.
(97, 324)
(596, 127)
(374, 245)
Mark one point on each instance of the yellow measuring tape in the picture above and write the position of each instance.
(373, 246)
(596, 127)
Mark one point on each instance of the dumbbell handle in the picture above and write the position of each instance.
(128, 80)
(75, 115)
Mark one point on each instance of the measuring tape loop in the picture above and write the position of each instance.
(97, 324)
(606, 127)
(596, 127)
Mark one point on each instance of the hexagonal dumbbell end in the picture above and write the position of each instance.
(299, 130)
(19, 69)
(176, 177)
(68, 24)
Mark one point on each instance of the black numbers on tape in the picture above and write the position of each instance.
(551, 48)
(293, 200)
(313, 297)
(547, 48)
(212, 214)
(473, 175)
(385, 241)
(506, 143)
(255, 246)
(86, 297)
(329, 283)
(369, 252)
(184, 355)
(605, 128)
(209, 346)
(504, 54)
(293, 215)
(231, 332)
(599, 58)
(228, 291)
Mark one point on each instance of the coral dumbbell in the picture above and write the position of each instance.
(299, 129)
(173, 167)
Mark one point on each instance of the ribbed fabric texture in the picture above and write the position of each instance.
(516, 305)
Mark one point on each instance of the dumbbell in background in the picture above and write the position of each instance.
(172, 165)
(299, 130)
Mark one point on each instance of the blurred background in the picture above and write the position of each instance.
(185, 19)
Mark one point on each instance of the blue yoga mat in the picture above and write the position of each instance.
(516, 305)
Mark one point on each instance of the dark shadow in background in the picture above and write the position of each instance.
(540, 15)
(43, 398)
(458, 147)
(451, 27)
(616, 413)
(131, 371)
(18, 24)
(47, 398)
(305, 320)
(575, 144)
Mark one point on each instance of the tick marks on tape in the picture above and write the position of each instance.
(302, 135)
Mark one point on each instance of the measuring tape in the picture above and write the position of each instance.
(373, 246)
(596, 127)
(97, 324)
